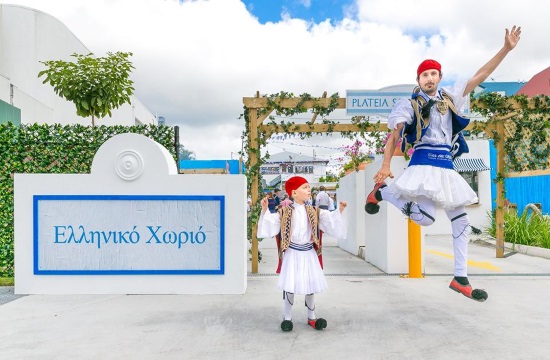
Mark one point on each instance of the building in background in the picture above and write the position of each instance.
(282, 166)
(538, 85)
(28, 36)
(502, 88)
(211, 167)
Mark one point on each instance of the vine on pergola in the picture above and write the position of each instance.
(526, 129)
(520, 128)
(285, 104)
(518, 125)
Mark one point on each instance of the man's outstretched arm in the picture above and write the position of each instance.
(510, 41)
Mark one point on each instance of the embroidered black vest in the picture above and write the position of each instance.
(286, 227)
(412, 133)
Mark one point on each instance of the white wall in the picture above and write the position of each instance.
(4, 87)
(28, 36)
(386, 241)
(352, 190)
(385, 235)
(127, 165)
(34, 111)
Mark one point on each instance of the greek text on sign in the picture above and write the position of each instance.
(128, 234)
(364, 102)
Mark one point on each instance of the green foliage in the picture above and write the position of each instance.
(530, 122)
(367, 131)
(526, 144)
(356, 155)
(185, 154)
(330, 177)
(95, 85)
(347, 168)
(6, 281)
(273, 100)
(526, 229)
(53, 149)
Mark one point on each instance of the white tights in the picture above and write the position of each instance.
(422, 212)
(288, 299)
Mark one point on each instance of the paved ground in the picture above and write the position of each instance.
(370, 316)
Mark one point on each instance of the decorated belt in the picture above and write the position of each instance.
(301, 247)
(433, 155)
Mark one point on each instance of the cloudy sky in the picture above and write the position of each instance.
(196, 59)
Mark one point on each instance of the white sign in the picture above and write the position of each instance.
(133, 225)
(140, 234)
(364, 102)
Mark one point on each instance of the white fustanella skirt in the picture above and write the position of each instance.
(301, 273)
(446, 187)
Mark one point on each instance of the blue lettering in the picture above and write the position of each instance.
(153, 234)
(67, 234)
(58, 234)
(372, 103)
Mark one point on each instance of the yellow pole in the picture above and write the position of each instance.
(415, 250)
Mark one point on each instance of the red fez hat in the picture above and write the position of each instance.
(294, 183)
(427, 65)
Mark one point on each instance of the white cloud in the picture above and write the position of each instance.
(195, 61)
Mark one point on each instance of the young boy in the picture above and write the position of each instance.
(300, 262)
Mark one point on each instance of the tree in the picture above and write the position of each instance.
(95, 85)
(185, 154)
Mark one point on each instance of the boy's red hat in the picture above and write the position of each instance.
(427, 65)
(294, 183)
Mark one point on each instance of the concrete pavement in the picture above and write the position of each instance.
(371, 315)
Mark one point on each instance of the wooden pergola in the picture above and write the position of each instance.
(503, 129)
(259, 110)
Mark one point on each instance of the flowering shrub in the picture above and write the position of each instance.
(407, 154)
(356, 155)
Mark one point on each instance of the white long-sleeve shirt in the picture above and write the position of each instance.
(330, 222)
(440, 130)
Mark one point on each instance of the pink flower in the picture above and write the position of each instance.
(408, 153)
(355, 154)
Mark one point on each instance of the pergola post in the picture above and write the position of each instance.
(499, 212)
(253, 149)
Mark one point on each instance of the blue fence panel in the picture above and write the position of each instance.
(522, 190)
(231, 165)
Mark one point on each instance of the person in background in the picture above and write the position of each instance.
(271, 202)
(277, 197)
(300, 249)
(322, 198)
(332, 202)
(310, 201)
(430, 121)
(287, 200)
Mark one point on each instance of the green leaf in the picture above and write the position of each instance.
(94, 85)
